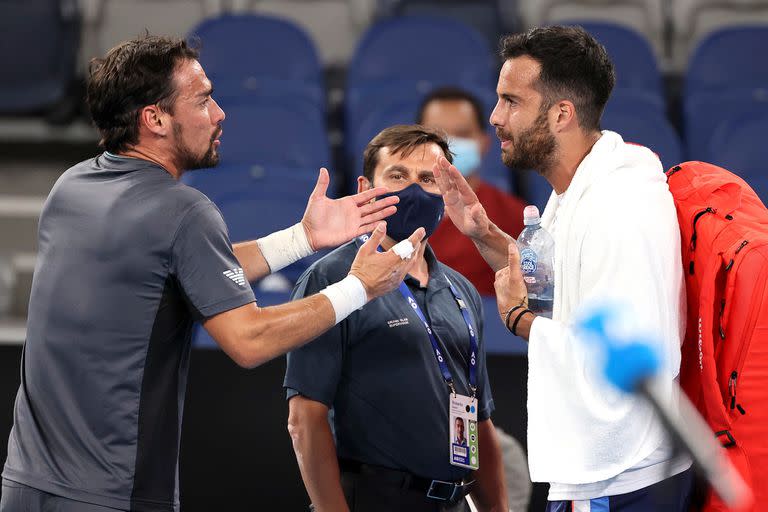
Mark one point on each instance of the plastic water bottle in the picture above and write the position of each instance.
(537, 261)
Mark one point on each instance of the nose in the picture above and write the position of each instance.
(218, 115)
(495, 118)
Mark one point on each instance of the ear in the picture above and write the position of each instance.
(363, 184)
(153, 119)
(563, 115)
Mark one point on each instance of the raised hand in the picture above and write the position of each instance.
(461, 202)
(509, 284)
(332, 222)
(382, 272)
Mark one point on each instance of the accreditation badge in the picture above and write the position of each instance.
(464, 442)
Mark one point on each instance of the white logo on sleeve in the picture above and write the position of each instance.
(236, 275)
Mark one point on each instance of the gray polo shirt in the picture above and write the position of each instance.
(378, 372)
(128, 259)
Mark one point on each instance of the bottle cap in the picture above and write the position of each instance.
(531, 215)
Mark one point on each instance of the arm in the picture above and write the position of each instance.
(251, 335)
(316, 453)
(490, 492)
(326, 223)
(469, 216)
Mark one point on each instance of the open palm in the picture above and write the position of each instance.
(332, 222)
(461, 203)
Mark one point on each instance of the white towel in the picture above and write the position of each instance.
(616, 237)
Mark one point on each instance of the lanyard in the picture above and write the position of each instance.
(406, 292)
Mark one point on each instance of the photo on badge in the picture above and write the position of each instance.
(463, 432)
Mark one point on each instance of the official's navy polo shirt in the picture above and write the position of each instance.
(378, 372)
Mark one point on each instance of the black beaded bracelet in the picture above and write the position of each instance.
(517, 320)
(509, 314)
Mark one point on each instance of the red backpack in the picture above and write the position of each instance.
(724, 370)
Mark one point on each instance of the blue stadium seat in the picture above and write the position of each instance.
(407, 56)
(201, 338)
(283, 133)
(250, 55)
(705, 111)
(256, 201)
(39, 40)
(537, 189)
(637, 120)
(632, 56)
(482, 15)
(739, 145)
(729, 58)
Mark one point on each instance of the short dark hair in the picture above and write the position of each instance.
(452, 94)
(574, 66)
(401, 139)
(132, 75)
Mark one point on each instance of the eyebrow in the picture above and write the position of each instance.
(508, 96)
(207, 92)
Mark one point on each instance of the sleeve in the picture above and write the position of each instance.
(314, 370)
(484, 396)
(205, 265)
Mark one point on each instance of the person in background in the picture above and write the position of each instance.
(460, 115)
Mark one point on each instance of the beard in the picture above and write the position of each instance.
(534, 148)
(188, 160)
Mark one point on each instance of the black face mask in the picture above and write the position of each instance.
(416, 209)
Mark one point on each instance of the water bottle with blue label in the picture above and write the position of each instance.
(537, 261)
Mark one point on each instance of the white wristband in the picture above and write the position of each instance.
(282, 248)
(346, 296)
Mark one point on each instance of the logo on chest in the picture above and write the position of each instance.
(397, 322)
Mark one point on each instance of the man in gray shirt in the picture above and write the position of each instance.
(129, 257)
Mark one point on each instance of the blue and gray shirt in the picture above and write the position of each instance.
(128, 258)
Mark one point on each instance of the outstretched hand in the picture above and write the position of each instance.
(461, 203)
(332, 222)
(382, 272)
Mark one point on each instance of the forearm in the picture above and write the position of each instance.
(273, 252)
(277, 330)
(316, 456)
(490, 492)
(493, 247)
(249, 255)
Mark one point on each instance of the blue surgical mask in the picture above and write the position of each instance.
(466, 155)
(416, 209)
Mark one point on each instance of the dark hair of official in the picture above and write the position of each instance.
(132, 75)
(452, 94)
(574, 66)
(402, 139)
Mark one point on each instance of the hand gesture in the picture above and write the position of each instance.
(382, 272)
(509, 284)
(332, 222)
(461, 202)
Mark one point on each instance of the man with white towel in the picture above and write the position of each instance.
(616, 237)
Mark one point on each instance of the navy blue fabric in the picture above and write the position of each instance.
(377, 370)
(670, 495)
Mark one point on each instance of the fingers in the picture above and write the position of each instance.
(375, 239)
(367, 195)
(416, 237)
(376, 206)
(443, 179)
(321, 187)
(370, 221)
(513, 256)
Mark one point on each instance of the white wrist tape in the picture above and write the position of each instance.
(403, 248)
(282, 248)
(346, 296)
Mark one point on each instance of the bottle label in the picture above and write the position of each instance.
(529, 261)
